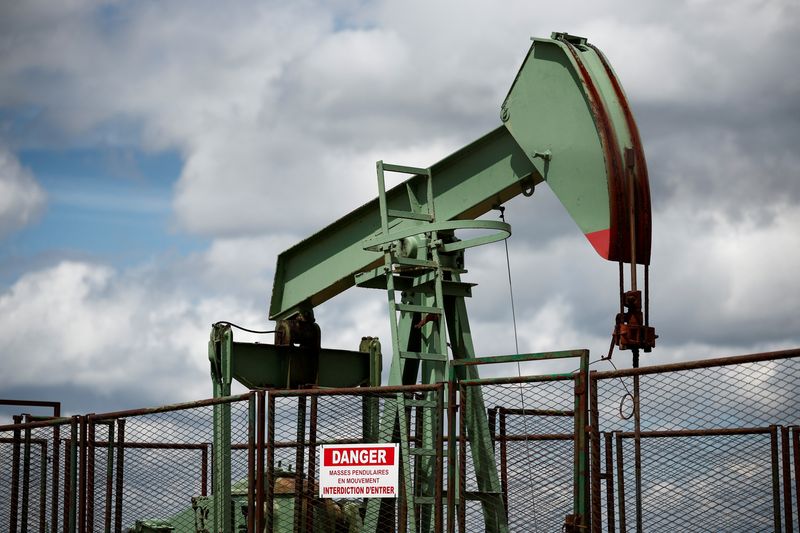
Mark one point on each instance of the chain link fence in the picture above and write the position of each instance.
(305, 425)
(715, 447)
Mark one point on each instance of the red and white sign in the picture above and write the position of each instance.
(359, 471)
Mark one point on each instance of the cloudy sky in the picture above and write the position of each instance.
(155, 157)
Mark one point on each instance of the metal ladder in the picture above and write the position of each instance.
(418, 298)
(433, 313)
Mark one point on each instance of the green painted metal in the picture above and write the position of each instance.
(468, 183)
(261, 366)
(566, 120)
(568, 109)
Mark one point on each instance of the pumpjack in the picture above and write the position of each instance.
(566, 122)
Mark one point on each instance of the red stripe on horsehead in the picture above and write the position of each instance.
(600, 240)
(613, 161)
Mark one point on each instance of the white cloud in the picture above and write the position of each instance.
(280, 110)
(88, 325)
(22, 199)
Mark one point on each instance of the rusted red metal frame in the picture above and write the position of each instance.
(120, 468)
(504, 438)
(270, 481)
(260, 447)
(310, 493)
(299, 462)
(34, 423)
(594, 465)
(695, 365)
(796, 450)
(56, 407)
(772, 431)
(85, 508)
(43, 444)
(252, 429)
(15, 467)
(787, 481)
(609, 477)
(776, 489)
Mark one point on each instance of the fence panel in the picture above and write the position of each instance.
(32, 480)
(532, 425)
(715, 444)
(300, 422)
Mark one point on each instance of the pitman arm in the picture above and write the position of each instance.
(566, 121)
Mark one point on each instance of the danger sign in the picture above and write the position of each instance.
(359, 471)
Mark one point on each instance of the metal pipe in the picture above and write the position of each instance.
(609, 482)
(56, 466)
(581, 384)
(204, 469)
(504, 459)
(299, 462)
(260, 438)
(15, 466)
(621, 485)
(776, 483)
(26, 477)
(119, 475)
(355, 391)
(56, 406)
(43, 488)
(695, 365)
(518, 357)
(109, 478)
(73, 475)
(637, 450)
(50, 422)
(796, 449)
(82, 474)
(251, 461)
(168, 408)
(787, 480)
(694, 432)
(566, 376)
(538, 412)
(270, 462)
(312, 466)
(67, 469)
(90, 464)
(594, 433)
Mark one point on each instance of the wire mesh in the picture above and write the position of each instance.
(28, 469)
(532, 427)
(707, 454)
(167, 474)
(301, 425)
(720, 451)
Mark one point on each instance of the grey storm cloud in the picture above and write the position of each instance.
(280, 110)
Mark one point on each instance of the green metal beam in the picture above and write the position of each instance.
(467, 184)
(566, 120)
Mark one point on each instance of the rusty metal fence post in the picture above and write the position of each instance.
(270, 490)
(252, 427)
(776, 477)
(594, 436)
(15, 467)
(787, 479)
(119, 475)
